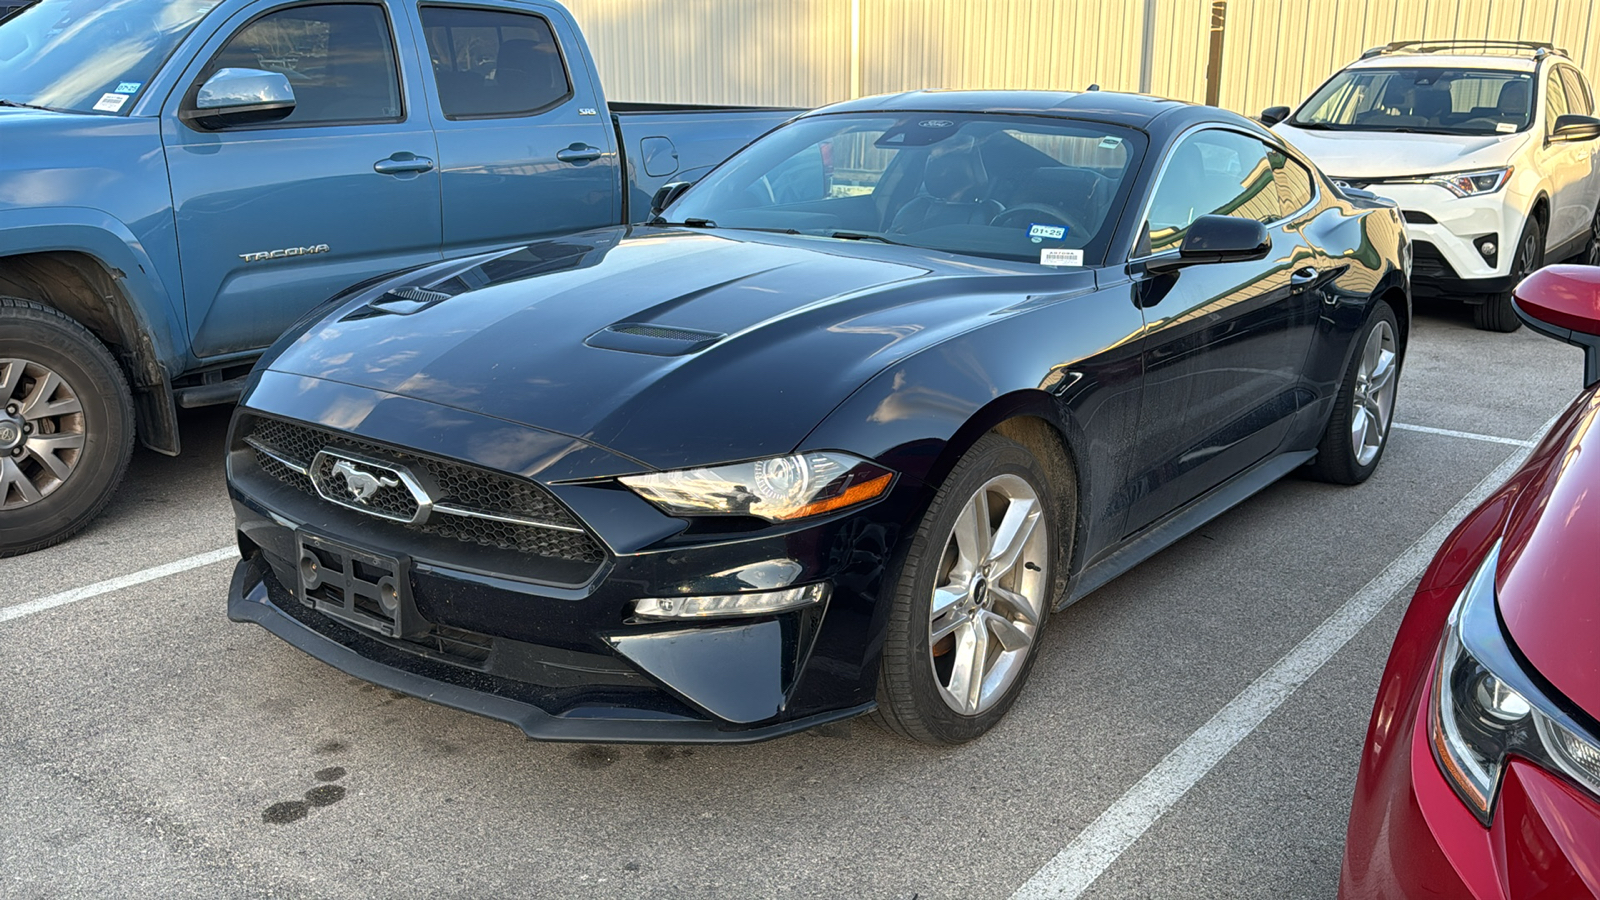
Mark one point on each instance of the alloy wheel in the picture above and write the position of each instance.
(989, 598)
(1373, 400)
(41, 432)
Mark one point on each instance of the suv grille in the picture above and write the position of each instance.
(469, 504)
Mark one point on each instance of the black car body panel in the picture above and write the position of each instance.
(543, 374)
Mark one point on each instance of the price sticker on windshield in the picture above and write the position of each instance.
(1056, 256)
(111, 102)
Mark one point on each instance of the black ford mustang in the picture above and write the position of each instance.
(835, 434)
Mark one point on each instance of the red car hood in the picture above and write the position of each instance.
(1548, 583)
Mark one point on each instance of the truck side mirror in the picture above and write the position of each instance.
(1575, 128)
(1272, 115)
(665, 195)
(240, 97)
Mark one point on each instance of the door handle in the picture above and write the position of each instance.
(1303, 278)
(579, 152)
(402, 163)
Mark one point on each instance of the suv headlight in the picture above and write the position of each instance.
(1485, 708)
(777, 489)
(1464, 184)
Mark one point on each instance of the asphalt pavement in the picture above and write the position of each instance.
(151, 748)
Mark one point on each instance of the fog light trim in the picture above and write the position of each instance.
(754, 603)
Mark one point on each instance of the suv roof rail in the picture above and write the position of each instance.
(1536, 49)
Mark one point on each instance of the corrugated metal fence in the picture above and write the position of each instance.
(811, 52)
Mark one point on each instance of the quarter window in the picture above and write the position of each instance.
(339, 59)
(1211, 173)
(490, 63)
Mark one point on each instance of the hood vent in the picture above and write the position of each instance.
(655, 340)
(401, 302)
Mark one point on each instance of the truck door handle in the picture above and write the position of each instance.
(579, 152)
(1302, 278)
(401, 163)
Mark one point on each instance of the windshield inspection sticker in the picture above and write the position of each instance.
(111, 102)
(129, 87)
(1055, 256)
(1040, 232)
(1505, 127)
(1110, 143)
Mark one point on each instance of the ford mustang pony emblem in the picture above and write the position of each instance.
(362, 485)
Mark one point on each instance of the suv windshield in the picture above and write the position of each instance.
(89, 55)
(1430, 100)
(1001, 186)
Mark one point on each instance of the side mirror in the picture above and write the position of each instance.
(1217, 239)
(1272, 115)
(1563, 302)
(665, 195)
(240, 97)
(1575, 128)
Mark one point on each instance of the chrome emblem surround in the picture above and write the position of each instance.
(354, 481)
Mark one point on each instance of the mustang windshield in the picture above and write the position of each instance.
(1430, 100)
(1001, 186)
(90, 55)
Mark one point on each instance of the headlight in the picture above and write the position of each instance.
(1464, 184)
(777, 489)
(1484, 708)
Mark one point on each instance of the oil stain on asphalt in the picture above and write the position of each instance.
(287, 811)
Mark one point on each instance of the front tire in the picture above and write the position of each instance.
(1496, 313)
(66, 426)
(1358, 430)
(972, 597)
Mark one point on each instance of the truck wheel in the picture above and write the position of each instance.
(66, 426)
(1496, 313)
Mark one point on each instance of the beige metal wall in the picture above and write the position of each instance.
(811, 52)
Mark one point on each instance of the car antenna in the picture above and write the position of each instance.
(1093, 87)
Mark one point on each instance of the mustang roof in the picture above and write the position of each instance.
(1133, 110)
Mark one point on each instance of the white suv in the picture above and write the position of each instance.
(1490, 154)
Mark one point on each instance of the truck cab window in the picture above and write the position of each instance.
(339, 59)
(490, 64)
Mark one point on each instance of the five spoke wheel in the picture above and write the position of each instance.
(989, 599)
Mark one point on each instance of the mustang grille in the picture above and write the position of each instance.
(471, 504)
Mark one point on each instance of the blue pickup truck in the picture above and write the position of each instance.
(180, 180)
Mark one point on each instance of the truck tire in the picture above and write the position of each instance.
(1495, 313)
(66, 426)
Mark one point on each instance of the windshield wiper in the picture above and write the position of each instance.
(14, 104)
(1312, 126)
(863, 236)
(691, 222)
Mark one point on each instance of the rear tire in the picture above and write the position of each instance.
(972, 596)
(66, 426)
(1358, 430)
(1495, 313)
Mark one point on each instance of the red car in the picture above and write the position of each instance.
(1481, 772)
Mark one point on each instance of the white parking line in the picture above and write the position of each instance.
(1469, 435)
(1087, 857)
(117, 584)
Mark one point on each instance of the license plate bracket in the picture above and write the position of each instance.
(361, 587)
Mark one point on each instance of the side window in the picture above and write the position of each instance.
(1294, 182)
(1211, 173)
(339, 59)
(488, 63)
(1577, 92)
(1555, 102)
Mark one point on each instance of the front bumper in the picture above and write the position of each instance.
(1412, 836)
(1445, 230)
(552, 645)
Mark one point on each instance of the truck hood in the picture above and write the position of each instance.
(672, 347)
(68, 159)
(1546, 585)
(1368, 155)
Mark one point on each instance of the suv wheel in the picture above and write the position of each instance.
(66, 426)
(1495, 312)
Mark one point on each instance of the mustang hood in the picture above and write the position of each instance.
(1548, 583)
(1354, 154)
(674, 348)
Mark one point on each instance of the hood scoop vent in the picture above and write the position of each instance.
(654, 340)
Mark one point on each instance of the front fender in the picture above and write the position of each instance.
(1073, 362)
(152, 309)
